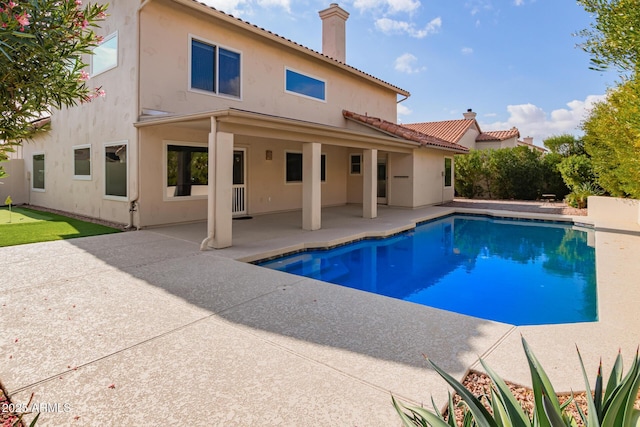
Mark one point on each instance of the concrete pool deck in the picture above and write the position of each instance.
(143, 328)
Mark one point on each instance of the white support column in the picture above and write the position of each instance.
(369, 184)
(223, 190)
(211, 188)
(311, 191)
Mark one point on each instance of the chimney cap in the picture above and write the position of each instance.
(334, 9)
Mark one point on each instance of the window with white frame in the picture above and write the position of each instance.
(214, 69)
(302, 84)
(186, 170)
(355, 164)
(37, 176)
(115, 170)
(105, 55)
(293, 166)
(82, 162)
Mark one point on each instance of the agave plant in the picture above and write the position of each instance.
(612, 406)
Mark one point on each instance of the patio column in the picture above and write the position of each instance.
(369, 184)
(211, 189)
(311, 196)
(222, 236)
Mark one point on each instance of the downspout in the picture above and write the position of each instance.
(133, 204)
(211, 187)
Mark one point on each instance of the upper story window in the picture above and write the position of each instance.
(105, 55)
(214, 69)
(302, 84)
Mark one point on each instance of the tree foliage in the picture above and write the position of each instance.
(42, 43)
(565, 145)
(612, 139)
(614, 36)
(507, 173)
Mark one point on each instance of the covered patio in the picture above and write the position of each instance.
(326, 173)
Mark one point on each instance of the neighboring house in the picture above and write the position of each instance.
(467, 132)
(207, 117)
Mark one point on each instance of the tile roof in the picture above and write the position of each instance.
(498, 135)
(448, 130)
(404, 132)
(311, 51)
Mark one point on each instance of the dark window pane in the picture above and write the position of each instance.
(356, 164)
(115, 170)
(229, 69)
(305, 85)
(323, 167)
(82, 161)
(447, 172)
(186, 166)
(238, 167)
(294, 167)
(38, 171)
(202, 66)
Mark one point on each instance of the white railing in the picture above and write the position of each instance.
(238, 201)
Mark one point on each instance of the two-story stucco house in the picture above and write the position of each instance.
(207, 117)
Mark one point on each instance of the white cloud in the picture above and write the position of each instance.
(533, 121)
(403, 110)
(518, 2)
(466, 51)
(390, 6)
(405, 63)
(391, 26)
(246, 7)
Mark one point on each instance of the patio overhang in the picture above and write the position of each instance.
(248, 123)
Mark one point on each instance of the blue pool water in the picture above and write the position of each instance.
(518, 272)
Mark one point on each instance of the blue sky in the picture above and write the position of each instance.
(514, 62)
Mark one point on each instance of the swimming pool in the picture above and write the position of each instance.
(512, 271)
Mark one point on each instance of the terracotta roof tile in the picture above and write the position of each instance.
(448, 130)
(404, 132)
(498, 135)
(243, 22)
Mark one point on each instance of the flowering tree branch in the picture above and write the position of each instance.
(42, 43)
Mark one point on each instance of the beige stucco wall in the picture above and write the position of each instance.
(400, 180)
(469, 138)
(613, 210)
(429, 176)
(14, 183)
(104, 120)
(165, 66)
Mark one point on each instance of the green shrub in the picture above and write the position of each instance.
(578, 197)
(610, 407)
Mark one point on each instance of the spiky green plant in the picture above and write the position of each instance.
(609, 407)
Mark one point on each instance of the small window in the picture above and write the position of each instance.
(38, 172)
(448, 172)
(115, 170)
(187, 170)
(356, 164)
(82, 162)
(294, 167)
(214, 69)
(301, 84)
(105, 55)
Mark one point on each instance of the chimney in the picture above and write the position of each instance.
(334, 20)
(528, 140)
(469, 115)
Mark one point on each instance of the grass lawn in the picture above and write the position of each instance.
(30, 226)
